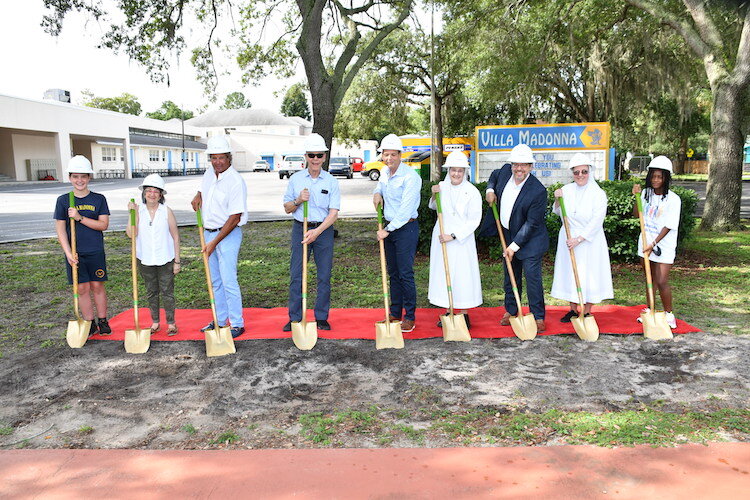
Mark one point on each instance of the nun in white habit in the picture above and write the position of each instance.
(462, 212)
(586, 206)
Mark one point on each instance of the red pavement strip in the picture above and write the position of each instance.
(719, 470)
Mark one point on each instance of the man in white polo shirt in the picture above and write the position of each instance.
(223, 200)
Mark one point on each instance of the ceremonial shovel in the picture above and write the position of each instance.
(219, 341)
(387, 333)
(655, 325)
(585, 326)
(454, 325)
(524, 325)
(304, 333)
(137, 341)
(78, 329)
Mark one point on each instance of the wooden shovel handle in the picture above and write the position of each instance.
(133, 270)
(445, 254)
(646, 260)
(304, 264)
(73, 249)
(572, 256)
(208, 270)
(516, 294)
(386, 296)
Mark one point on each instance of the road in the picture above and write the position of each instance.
(26, 208)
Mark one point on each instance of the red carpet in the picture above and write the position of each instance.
(360, 323)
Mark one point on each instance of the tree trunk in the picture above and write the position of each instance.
(724, 189)
(324, 111)
(437, 171)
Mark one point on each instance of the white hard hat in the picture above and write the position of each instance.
(218, 145)
(315, 143)
(580, 159)
(661, 162)
(80, 165)
(391, 141)
(521, 154)
(456, 159)
(153, 180)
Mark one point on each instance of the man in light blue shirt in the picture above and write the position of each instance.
(321, 192)
(399, 191)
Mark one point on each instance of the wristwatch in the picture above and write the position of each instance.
(453, 235)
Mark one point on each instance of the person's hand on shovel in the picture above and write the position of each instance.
(72, 259)
(310, 236)
(73, 214)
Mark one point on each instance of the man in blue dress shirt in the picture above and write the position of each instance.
(321, 192)
(399, 190)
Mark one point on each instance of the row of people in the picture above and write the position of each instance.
(521, 199)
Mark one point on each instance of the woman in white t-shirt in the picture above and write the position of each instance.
(661, 215)
(157, 249)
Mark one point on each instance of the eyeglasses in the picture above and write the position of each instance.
(152, 190)
(315, 155)
(580, 172)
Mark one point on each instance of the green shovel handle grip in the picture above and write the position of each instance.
(200, 217)
(304, 209)
(639, 201)
(132, 213)
(380, 214)
(562, 206)
(437, 201)
(72, 199)
(494, 211)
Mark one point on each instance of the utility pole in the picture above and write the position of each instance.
(182, 121)
(434, 147)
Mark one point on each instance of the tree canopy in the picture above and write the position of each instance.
(295, 102)
(169, 110)
(125, 103)
(236, 100)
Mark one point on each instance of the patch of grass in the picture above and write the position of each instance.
(416, 435)
(47, 343)
(189, 429)
(85, 429)
(6, 430)
(317, 427)
(227, 437)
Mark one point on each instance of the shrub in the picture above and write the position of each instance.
(621, 228)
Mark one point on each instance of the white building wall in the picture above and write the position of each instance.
(31, 147)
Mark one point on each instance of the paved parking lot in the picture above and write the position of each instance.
(26, 208)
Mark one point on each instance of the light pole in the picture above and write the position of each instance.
(182, 122)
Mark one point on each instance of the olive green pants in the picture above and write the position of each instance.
(159, 281)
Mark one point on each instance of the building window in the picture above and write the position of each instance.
(163, 155)
(109, 154)
(122, 157)
(153, 155)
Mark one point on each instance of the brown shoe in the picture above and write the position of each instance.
(540, 326)
(506, 320)
(407, 326)
(392, 318)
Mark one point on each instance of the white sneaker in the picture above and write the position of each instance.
(670, 320)
(644, 310)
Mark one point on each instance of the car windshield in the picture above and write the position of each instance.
(294, 158)
(337, 160)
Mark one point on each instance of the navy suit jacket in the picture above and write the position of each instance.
(528, 228)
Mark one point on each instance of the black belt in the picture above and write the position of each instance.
(410, 220)
(211, 230)
(309, 223)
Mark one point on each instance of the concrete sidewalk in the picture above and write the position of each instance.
(720, 470)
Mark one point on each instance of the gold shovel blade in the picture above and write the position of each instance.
(78, 333)
(137, 341)
(655, 326)
(586, 328)
(304, 334)
(524, 327)
(388, 335)
(454, 328)
(219, 342)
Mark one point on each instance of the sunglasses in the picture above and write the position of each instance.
(315, 155)
(580, 172)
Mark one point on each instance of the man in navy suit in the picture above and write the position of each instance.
(522, 202)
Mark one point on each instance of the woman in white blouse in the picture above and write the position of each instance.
(157, 249)
(586, 206)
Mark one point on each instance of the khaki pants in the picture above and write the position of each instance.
(159, 281)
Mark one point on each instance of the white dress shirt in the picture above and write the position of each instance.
(507, 200)
(223, 196)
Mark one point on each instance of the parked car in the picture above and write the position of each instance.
(261, 166)
(339, 165)
(291, 164)
(356, 163)
(372, 169)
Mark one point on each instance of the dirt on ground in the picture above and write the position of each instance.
(176, 397)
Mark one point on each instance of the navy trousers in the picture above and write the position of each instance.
(532, 269)
(322, 250)
(400, 249)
